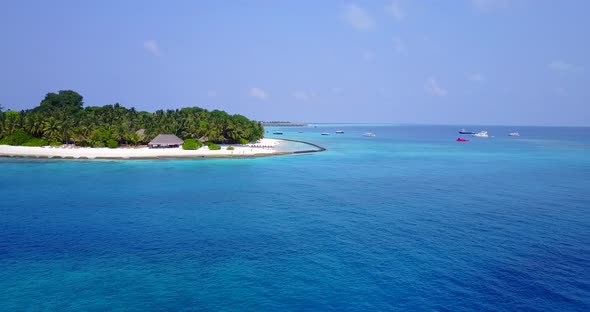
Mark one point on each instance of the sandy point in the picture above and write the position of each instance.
(263, 147)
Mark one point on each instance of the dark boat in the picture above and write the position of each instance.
(278, 133)
(462, 140)
(463, 131)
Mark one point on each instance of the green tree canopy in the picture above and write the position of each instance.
(65, 101)
(61, 118)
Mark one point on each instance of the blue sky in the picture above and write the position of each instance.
(512, 62)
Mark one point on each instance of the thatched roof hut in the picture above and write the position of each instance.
(165, 140)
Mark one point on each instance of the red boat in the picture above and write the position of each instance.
(462, 140)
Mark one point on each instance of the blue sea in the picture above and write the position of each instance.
(408, 220)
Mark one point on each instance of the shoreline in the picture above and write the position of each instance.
(264, 148)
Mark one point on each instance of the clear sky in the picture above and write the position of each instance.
(522, 62)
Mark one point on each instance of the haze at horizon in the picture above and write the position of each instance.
(504, 62)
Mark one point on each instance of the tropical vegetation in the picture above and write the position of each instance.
(212, 146)
(191, 144)
(61, 118)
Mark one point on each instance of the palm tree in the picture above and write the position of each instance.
(80, 134)
(36, 126)
(134, 137)
(12, 122)
(52, 130)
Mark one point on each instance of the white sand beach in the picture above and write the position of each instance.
(264, 147)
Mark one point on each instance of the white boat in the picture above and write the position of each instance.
(369, 134)
(325, 133)
(514, 134)
(339, 131)
(481, 134)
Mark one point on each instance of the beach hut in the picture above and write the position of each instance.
(165, 141)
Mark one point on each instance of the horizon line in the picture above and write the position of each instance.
(441, 124)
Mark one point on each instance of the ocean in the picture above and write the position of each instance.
(408, 220)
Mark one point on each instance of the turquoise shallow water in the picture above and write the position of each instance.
(407, 220)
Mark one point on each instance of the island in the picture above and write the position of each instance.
(283, 124)
(61, 127)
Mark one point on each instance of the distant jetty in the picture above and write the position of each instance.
(283, 124)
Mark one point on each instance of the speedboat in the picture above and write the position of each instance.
(339, 131)
(369, 134)
(462, 140)
(481, 134)
(463, 131)
(278, 133)
(514, 134)
(325, 133)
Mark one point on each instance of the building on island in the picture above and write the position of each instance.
(165, 141)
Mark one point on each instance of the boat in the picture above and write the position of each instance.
(369, 134)
(514, 134)
(462, 140)
(325, 133)
(339, 131)
(278, 133)
(481, 134)
(463, 131)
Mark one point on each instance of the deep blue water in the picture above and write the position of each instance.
(407, 220)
